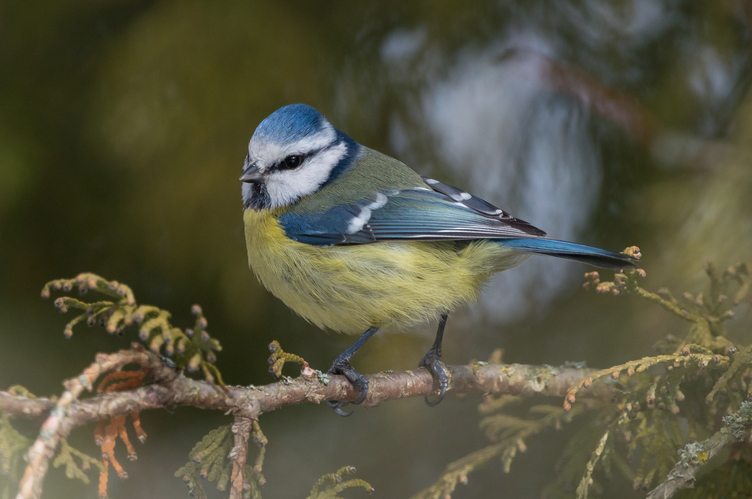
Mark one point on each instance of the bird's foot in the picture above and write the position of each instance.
(432, 362)
(342, 366)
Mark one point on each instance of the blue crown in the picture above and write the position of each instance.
(289, 124)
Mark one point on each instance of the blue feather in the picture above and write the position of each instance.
(435, 215)
(325, 229)
(417, 214)
(571, 251)
(289, 124)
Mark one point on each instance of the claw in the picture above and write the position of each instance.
(342, 366)
(362, 397)
(337, 405)
(432, 362)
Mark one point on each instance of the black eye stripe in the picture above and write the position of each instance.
(281, 165)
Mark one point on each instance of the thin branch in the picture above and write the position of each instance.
(172, 388)
(694, 456)
(512, 440)
(241, 431)
(584, 486)
(505, 379)
(17, 406)
(57, 426)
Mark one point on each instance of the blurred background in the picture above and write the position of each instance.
(123, 128)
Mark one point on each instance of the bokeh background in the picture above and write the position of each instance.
(124, 123)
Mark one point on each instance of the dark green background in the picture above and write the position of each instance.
(123, 126)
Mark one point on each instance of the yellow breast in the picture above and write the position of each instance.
(386, 284)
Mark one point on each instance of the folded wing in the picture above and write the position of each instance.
(438, 213)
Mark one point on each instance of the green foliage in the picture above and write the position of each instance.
(279, 358)
(510, 432)
(656, 436)
(651, 408)
(642, 433)
(12, 448)
(193, 348)
(210, 460)
(67, 457)
(333, 484)
(601, 451)
(708, 312)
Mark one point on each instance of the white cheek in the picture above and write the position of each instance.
(287, 186)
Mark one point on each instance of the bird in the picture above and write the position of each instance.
(354, 240)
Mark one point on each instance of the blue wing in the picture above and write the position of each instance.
(442, 213)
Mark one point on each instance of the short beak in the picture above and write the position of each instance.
(251, 174)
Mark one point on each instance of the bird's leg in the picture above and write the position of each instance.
(341, 365)
(432, 362)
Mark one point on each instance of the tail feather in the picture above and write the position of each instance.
(571, 251)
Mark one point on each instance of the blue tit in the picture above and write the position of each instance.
(354, 240)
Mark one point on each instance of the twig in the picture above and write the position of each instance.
(511, 442)
(241, 431)
(684, 358)
(509, 379)
(57, 425)
(17, 406)
(694, 456)
(584, 486)
(172, 388)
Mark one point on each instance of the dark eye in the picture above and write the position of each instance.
(293, 161)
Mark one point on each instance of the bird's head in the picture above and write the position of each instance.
(293, 153)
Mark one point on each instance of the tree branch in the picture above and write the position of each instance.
(176, 389)
(17, 406)
(241, 431)
(248, 403)
(683, 474)
(59, 424)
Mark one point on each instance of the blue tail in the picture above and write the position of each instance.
(571, 251)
